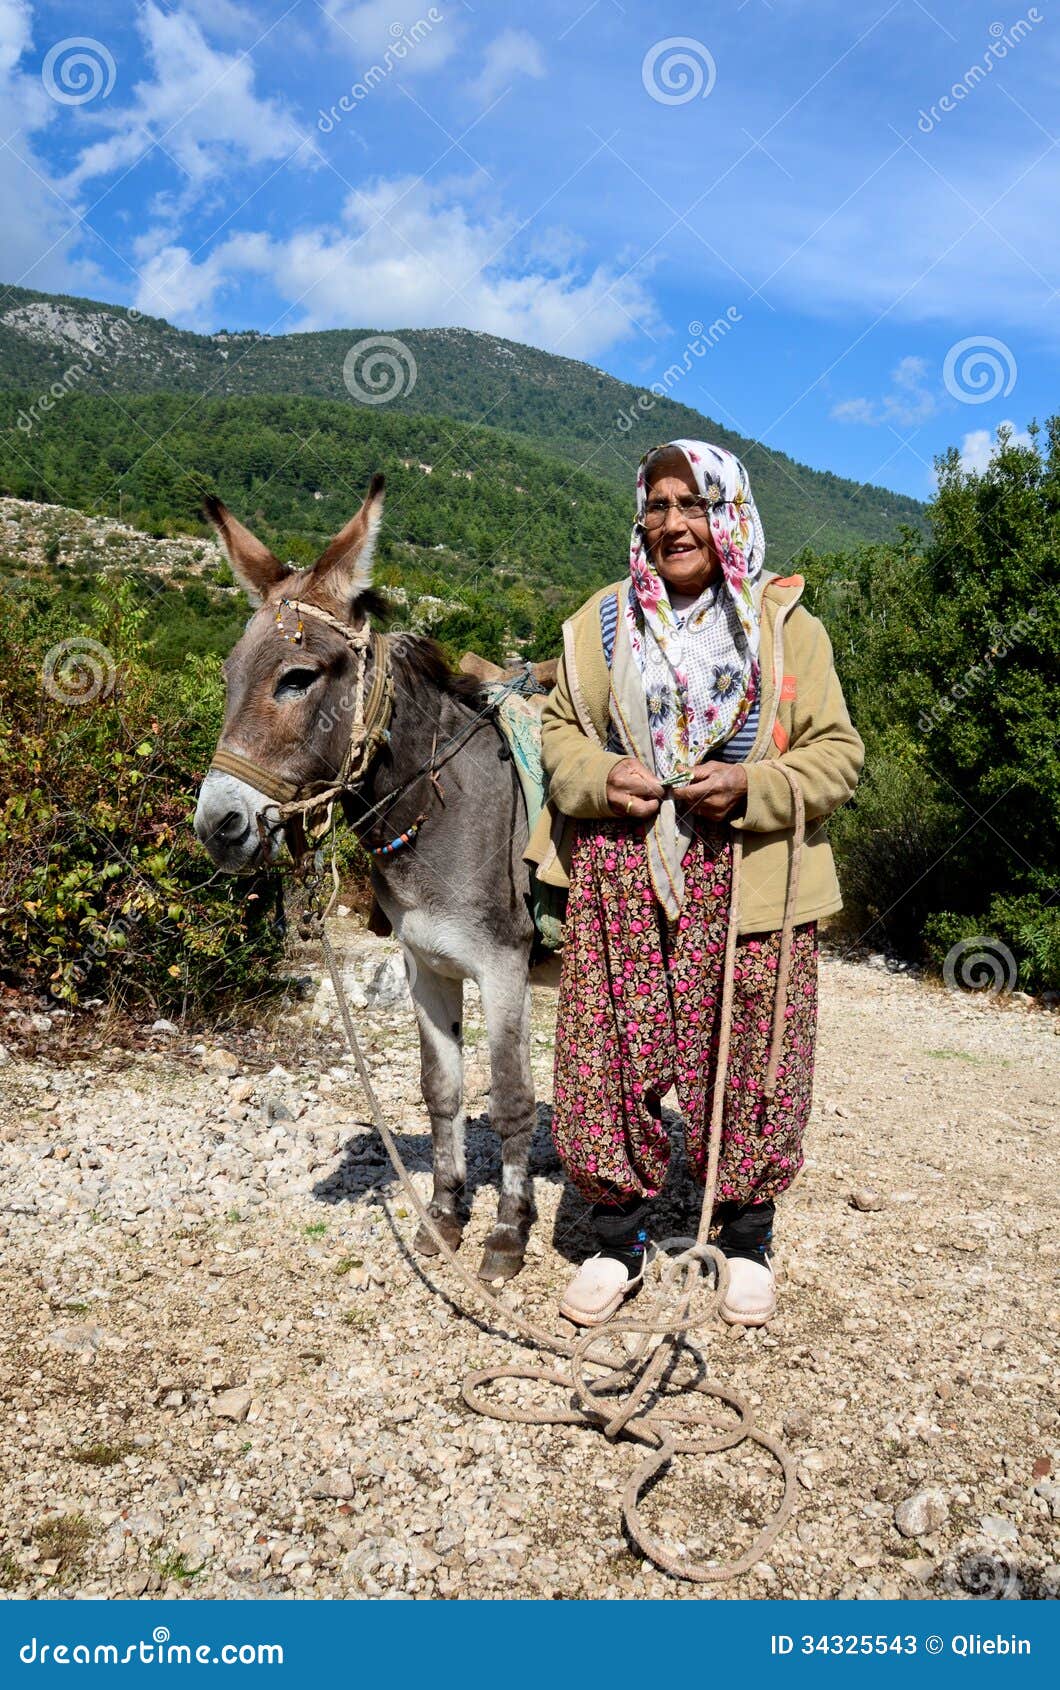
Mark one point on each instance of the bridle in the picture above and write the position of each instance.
(306, 811)
(373, 703)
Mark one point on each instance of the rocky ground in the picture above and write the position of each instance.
(223, 1372)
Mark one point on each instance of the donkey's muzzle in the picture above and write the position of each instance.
(227, 823)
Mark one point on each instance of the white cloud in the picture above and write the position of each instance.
(978, 447)
(40, 233)
(406, 254)
(227, 17)
(911, 400)
(366, 29)
(512, 53)
(199, 105)
(172, 285)
(855, 411)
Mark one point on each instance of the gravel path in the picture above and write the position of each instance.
(223, 1373)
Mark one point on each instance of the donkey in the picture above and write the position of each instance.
(456, 895)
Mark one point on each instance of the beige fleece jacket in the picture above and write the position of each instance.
(803, 719)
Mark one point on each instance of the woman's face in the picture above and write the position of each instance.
(681, 547)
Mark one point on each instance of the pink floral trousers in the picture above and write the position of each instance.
(638, 1012)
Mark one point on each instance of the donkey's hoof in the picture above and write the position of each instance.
(450, 1229)
(502, 1260)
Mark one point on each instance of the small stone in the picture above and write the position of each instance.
(1049, 1491)
(865, 1199)
(921, 1514)
(338, 1485)
(1042, 1467)
(244, 1567)
(920, 1568)
(388, 986)
(189, 1258)
(797, 1424)
(995, 1526)
(241, 1090)
(169, 1028)
(992, 1339)
(232, 1405)
(137, 1583)
(222, 1062)
(194, 1550)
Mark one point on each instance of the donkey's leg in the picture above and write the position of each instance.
(506, 1002)
(439, 1006)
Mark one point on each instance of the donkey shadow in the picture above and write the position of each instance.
(366, 1167)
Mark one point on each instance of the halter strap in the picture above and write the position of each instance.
(369, 729)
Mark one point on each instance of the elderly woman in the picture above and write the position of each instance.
(681, 690)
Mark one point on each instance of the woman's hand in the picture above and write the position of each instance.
(632, 790)
(715, 790)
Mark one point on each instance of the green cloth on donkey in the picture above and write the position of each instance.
(519, 720)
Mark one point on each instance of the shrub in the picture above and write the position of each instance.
(947, 652)
(890, 844)
(103, 888)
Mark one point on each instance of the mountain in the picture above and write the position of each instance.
(510, 395)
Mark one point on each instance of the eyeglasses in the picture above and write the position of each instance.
(692, 508)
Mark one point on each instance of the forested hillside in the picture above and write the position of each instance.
(562, 408)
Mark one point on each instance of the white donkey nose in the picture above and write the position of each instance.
(226, 819)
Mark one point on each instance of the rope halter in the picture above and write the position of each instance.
(372, 706)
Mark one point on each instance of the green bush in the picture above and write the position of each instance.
(948, 655)
(104, 891)
(891, 842)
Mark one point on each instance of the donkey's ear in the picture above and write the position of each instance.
(253, 565)
(345, 569)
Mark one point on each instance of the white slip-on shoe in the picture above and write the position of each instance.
(751, 1297)
(597, 1290)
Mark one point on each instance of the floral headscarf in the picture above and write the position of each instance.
(701, 677)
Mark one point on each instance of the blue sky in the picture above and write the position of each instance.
(865, 193)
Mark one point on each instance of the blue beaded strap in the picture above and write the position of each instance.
(405, 838)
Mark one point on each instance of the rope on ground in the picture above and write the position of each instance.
(667, 1427)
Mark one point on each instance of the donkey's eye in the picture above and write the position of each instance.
(295, 683)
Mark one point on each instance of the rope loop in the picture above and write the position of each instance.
(640, 1409)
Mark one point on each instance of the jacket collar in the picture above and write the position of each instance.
(783, 590)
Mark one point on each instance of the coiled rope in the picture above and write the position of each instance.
(666, 1426)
